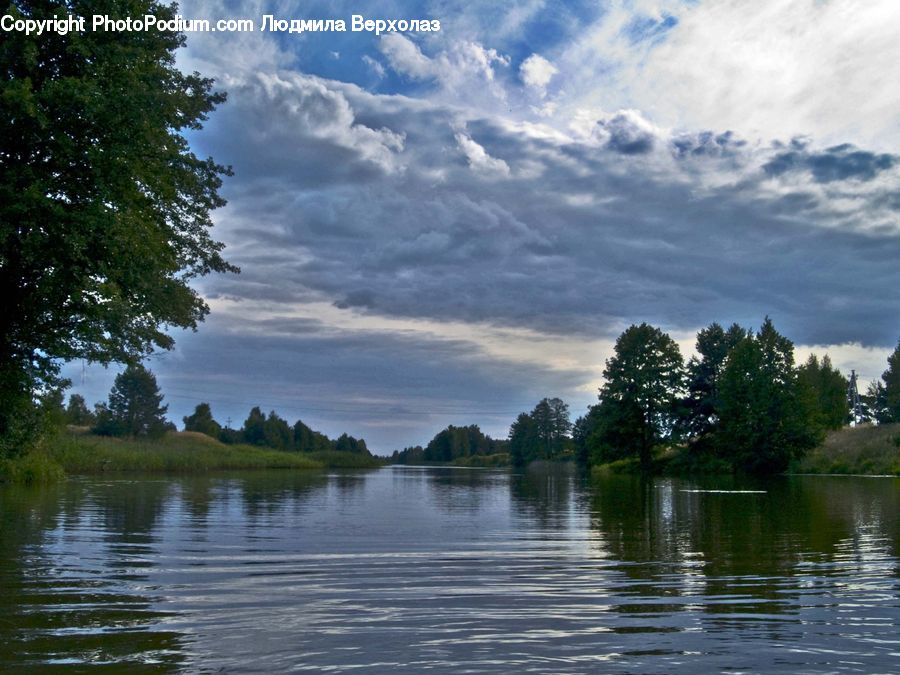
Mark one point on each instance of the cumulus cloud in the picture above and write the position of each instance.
(464, 72)
(536, 72)
(627, 132)
(405, 57)
(768, 69)
(303, 111)
(479, 160)
(841, 162)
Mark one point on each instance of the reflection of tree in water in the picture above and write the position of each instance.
(268, 493)
(350, 484)
(461, 489)
(543, 492)
(726, 544)
(130, 509)
(68, 579)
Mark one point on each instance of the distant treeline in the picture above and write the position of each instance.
(451, 444)
(740, 404)
(135, 409)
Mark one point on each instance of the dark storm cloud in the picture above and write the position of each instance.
(373, 203)
(626, 135)
(707, 144)
(838, 163)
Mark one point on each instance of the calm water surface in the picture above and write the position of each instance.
(412, 569)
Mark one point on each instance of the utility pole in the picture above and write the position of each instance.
(853, 401)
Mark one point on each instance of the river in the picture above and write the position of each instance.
(463, 570)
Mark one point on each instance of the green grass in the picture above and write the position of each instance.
(858, 450)
(175, 452)
(34, 467)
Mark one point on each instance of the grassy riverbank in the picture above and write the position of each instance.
(859, 450)
(864, 450)
(74, 452)
(183, 451)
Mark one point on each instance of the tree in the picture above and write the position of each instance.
(254, 429)
(766, 417)
(644, 382)
(582, 430)
(202, 421)
(828, 389)
(523, 440)
(700, 408)
(876, 404)
(307, 440)
(347, 443)
(891, 378)
(135, 406)
(277, 433)
(77, 412)
(551, 417)
(104, 210)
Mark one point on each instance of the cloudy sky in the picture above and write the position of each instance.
(446, 227)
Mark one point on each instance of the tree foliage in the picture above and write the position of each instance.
(135, 406)
(767, 417)
(104, 210)
(202, 421)
(891, 395)
(644, 381)
(77, 412)
(524, 440)
(829, 391)
(700, 407)
(307, 440)
(541, 434)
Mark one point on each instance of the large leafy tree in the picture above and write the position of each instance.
(891, 395)
(77, 412)
(202, 421)
(644, 383)
(767, 416)
(700, 407)
(524, 440)
(551, 415)
(104, 210)
(541, 434)
(135, 406)
(828, 389)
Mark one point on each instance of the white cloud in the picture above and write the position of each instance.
(464, 71)
(766, 69)
(536, 72)
(479, 159)
(405, 57)
(301, 105)
(374, 66)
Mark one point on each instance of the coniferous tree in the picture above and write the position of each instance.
(524, 439)
(644, 383)
(891, 378)
(875, 401)
(135, 406)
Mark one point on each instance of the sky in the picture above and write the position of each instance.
(445, 227)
